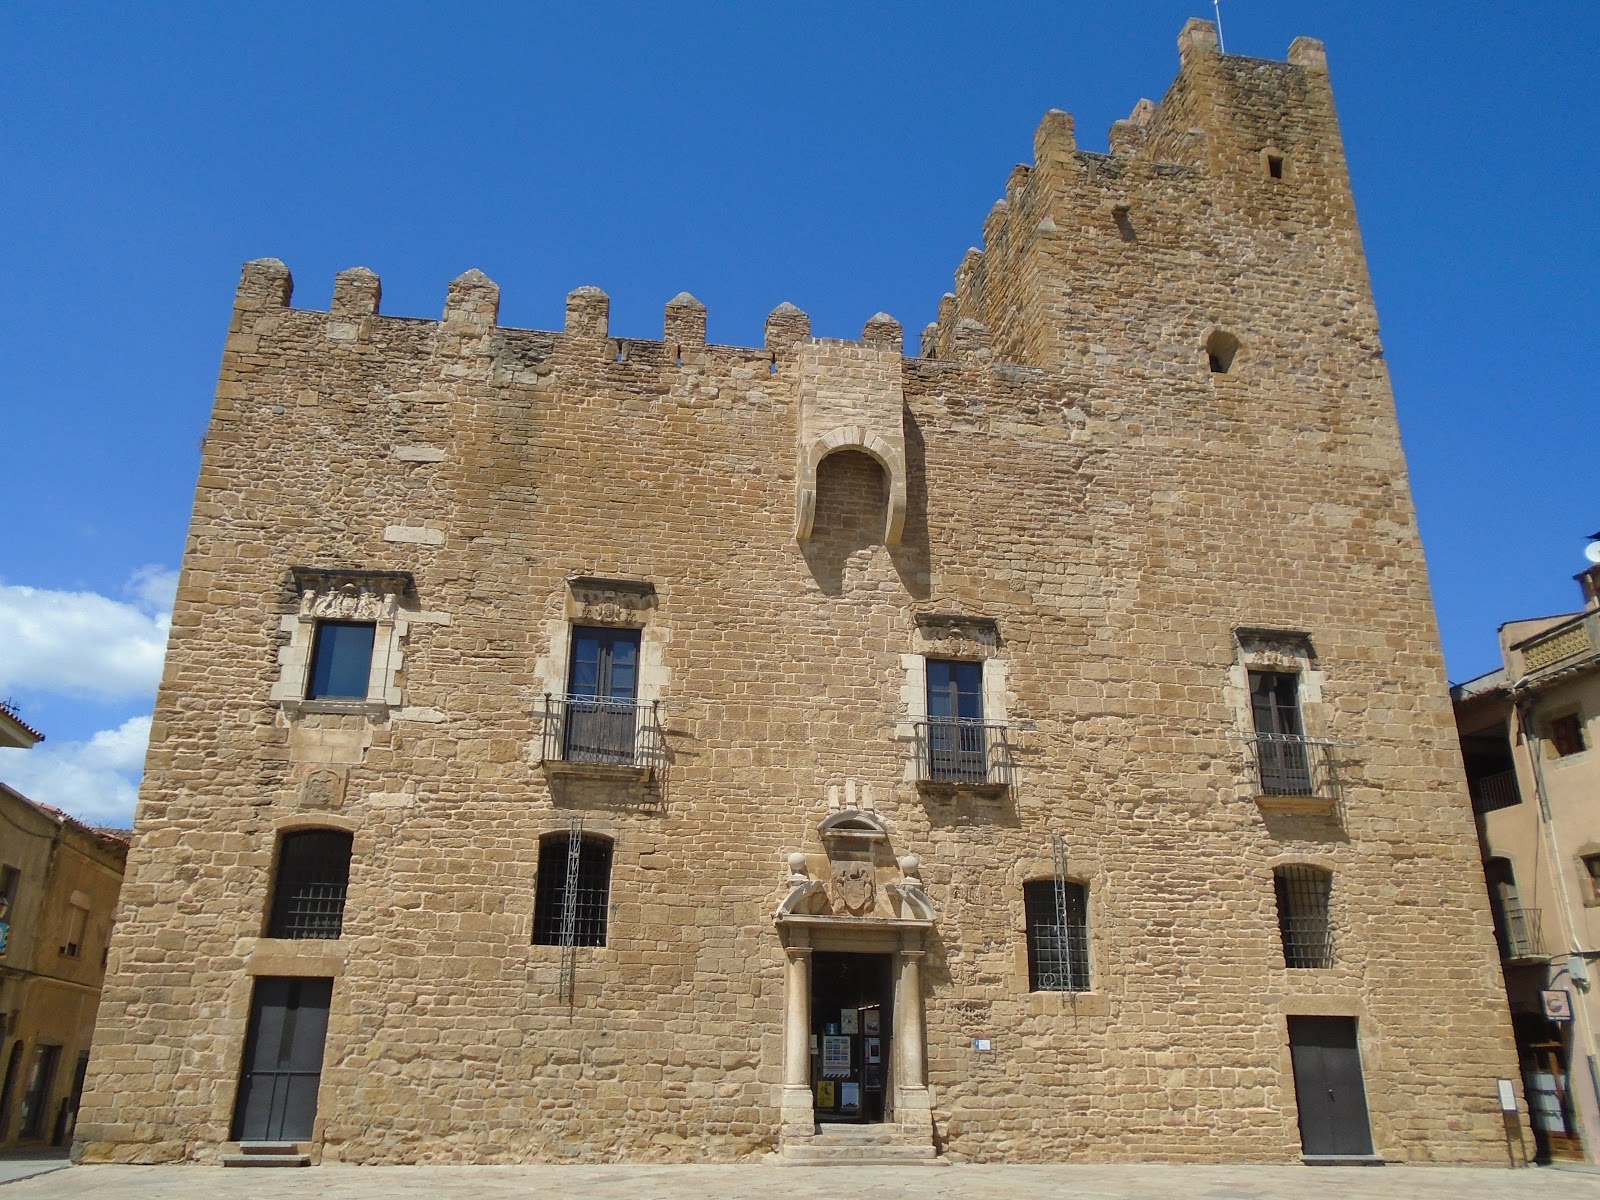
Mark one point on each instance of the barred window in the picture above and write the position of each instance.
(1058, 935)
(1304, 894)
(313, 876)
(574, 890)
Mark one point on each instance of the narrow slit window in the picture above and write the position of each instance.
(1275, 165)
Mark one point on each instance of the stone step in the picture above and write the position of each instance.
(859, 1145)
(267, 1154)
(266, 1160)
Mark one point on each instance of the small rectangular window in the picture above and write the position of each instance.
(574, 891)
(313, 877)
(1566, 735)
(1275, 165)
(1304, 896)
(341, 660)
(1057, 914)
(1591, 867)
(77, 922)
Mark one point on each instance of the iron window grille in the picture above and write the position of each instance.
(574, 890)
(1305, 896)
(313, 878)
(1057, 913)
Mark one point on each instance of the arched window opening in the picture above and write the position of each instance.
(574, 890)
(1221, 346)
(1057, 913)
(308, 892)
(1304, 895)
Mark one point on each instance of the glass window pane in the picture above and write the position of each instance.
(341, 660)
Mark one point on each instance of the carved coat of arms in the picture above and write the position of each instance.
(854, 883)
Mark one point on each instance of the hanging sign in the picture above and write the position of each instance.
(1557, 1004)
(835, 1056)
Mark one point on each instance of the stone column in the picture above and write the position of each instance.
(908, 1021)
(797, 1019)
(798, 1112)
(913, 1110)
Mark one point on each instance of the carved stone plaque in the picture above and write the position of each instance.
(855, 886)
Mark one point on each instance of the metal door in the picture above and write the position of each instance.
(277, 1099)
(602, 690)
(1328, 1086)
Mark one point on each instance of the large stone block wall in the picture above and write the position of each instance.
(1073, 471)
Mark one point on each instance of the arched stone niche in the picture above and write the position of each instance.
(851, 397)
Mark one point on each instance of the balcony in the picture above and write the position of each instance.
(954, 752)
(1491, 792)
(1294, 773)
(1520, 937)
(601, 738)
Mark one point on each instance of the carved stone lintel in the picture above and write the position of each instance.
(594, 601)
(350, 602)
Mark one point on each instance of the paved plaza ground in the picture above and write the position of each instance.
(60, 1182)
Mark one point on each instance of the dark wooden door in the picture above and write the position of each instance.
(1328, 1086)
(277, 1099)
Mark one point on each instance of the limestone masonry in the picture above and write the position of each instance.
(581, 747)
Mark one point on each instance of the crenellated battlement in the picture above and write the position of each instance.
(472, 306)
(1239, 148)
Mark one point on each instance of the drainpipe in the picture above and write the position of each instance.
(1525, 709)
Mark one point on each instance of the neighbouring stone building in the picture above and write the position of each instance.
(58, 893)
(1528, 731)
(575, 746)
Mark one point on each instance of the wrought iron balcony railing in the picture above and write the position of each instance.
(1491, 792)
(1519, 933)
(599, 732)
(959, 751)
(1288, 764)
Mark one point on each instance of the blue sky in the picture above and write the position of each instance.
(839, 156)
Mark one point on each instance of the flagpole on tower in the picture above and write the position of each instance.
(1217, 6)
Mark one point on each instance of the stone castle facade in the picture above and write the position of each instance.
(574, 746)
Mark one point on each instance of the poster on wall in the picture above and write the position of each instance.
(849, 1095)
(874, 1050)
(824, 1093)
(847, 1020)
(869, 1020)
(835, 1057)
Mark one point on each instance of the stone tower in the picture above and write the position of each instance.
(580, 746)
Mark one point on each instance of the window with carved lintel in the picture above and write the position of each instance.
(343, 650)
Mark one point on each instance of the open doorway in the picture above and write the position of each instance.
(852, 1002)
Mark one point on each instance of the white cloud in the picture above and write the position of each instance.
(85, 644)
(96, 781)
(153, 587)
